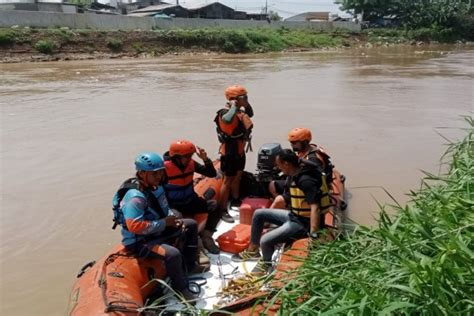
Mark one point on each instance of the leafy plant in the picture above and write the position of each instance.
(138, 47)
(115, 44)
(45, 46)
(62, 34)
(415, 14)
(7, 37)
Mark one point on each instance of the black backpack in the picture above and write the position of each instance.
(128, 184)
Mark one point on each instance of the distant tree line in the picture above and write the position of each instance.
(415, 13)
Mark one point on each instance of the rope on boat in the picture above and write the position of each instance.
(246, 285)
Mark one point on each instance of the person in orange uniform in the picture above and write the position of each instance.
(300, 140)
(234, 126)
(180, 168)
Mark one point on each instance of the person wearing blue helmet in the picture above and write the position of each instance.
(149, 227)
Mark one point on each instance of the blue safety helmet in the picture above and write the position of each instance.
(149, 162)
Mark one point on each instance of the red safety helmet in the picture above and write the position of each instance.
(182, 148)
(299, 134)
(233, 92)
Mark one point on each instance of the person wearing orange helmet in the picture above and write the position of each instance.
(300, 140)
(180, 168)
(234, 126)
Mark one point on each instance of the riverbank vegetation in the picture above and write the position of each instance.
(64, 40)
(31, 44)
(439, 20)
(417, 262)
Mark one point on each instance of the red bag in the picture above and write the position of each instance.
(235, 240)
(248, 207)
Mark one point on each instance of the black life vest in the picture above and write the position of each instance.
(298, 205)
(128, 184)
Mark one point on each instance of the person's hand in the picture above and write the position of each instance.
(201, 153)
(172, 221)
(233, 102)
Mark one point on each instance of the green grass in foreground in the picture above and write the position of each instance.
(419, 262)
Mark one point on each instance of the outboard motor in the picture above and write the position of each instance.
(266, 168)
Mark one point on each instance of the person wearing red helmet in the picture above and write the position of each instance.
(300, 140)
(234, 126)
(180, 168)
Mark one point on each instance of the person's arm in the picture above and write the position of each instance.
(134, 214)
(207, 169)
(286, 190)
(249, 110)
(312, 191)
(229, 115)
(314, 218)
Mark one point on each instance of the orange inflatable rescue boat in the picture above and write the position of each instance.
(119, 284)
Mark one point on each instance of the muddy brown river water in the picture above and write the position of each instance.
(70, 132)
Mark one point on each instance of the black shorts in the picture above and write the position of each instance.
(196, 206)
(231, 164)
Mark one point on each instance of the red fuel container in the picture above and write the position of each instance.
(248, 207)
(235, 240)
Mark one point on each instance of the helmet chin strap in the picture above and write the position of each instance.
(141, 182)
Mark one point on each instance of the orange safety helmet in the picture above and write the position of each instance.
(299, 134)
(182, 148)
(233, 92)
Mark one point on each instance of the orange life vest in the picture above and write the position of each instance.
(318, 153)
(179, 187)
(233, 135)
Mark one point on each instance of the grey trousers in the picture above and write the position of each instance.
(290, 226)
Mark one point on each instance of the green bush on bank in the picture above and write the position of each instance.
(7, 37)
(464, 26)
(12, 36)
(46, 46)
(418, 262)
(115, 44)
(63, 35)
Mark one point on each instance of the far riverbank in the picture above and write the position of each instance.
(61, 44)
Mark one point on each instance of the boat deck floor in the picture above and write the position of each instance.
(209, 297)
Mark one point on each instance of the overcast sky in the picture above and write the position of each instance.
(285, 8)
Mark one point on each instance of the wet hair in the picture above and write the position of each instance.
(289, 156)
